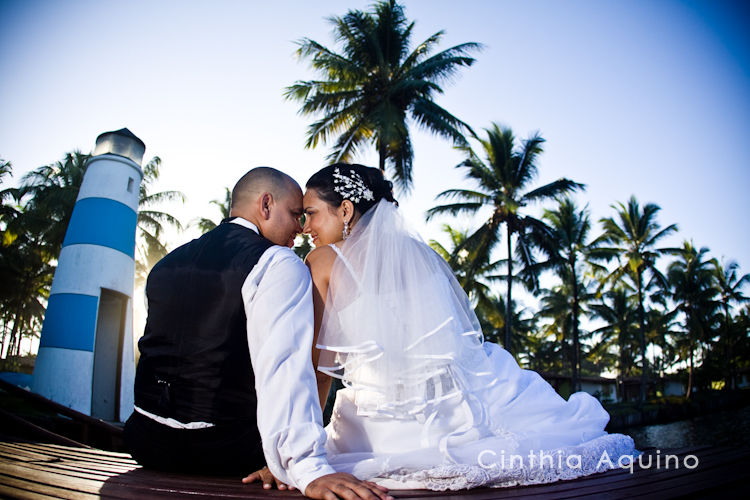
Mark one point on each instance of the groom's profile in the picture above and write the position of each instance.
(225, 384)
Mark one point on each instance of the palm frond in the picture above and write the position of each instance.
(453, 209)
(552, 190)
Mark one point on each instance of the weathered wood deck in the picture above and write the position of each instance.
(35, 470)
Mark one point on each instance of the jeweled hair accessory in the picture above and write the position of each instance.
(351, 187)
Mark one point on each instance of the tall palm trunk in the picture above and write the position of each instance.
(382, 152)
(3, 338)
(576, 340)
(14, 334)
(622, 369)
(508, 303)
(690, 372)
(642, 339)
(730, 348)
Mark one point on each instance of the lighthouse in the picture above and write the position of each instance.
(86, 360)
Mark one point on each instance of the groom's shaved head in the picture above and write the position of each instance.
(272, 201)
(260, 180)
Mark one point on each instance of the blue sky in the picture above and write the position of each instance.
(650, 98)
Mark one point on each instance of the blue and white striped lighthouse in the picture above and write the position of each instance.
(86, 359)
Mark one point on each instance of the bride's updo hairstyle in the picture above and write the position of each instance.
(326, 180)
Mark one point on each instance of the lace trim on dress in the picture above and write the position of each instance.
(497, 471)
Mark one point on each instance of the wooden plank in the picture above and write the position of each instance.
(32, 473)
(74, 468)
(66, 469)
(246, 492)
(648, 480)
(24, 455)
(99, 466)
(158, 485)
(79, 452)
(29, 428)
(600, 482)
(88, 451)
(675, 487)
(232, 488)
(7, 491)
(21, 455)
(67, 454)
(611, 479)
(101, 469)
(139, 486)
(93, 472)
(43, 490)
(62, 410)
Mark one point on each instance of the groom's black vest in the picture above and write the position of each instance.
(195, 363)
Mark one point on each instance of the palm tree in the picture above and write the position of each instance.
(7, 211)
(546, 353)
(32, 238)
(729, 284)
(632, 238)
(503, 187)
(693, 293)
(51, 192)
(151, 222)
(569, 231)
(25, 272)
(27, 277)
(617, 310)
(557, 305)
(492, 318)
(224, 206)
(375, 85)
(472, 281)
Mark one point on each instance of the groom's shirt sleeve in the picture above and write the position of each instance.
(278, 303)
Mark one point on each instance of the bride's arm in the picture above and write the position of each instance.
(320, 262)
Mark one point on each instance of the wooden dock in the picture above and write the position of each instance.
(36, 470)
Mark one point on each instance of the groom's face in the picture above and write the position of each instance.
(283, 224)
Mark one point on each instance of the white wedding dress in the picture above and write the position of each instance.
(426, 403)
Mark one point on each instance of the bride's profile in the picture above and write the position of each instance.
(426, 403)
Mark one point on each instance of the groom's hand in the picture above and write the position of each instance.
(267, 478)
(342, 485)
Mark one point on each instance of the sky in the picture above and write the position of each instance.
(644, 98)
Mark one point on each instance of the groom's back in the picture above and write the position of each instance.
(195, 364)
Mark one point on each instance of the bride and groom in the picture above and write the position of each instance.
(242, 341)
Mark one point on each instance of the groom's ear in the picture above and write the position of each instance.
(265, 201)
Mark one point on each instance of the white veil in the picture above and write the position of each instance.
(397, 328)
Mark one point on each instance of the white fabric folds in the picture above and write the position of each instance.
(398, 329)
(426, 403)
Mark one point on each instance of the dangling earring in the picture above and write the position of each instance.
(345, 232)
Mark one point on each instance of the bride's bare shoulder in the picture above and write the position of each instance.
(320, 260)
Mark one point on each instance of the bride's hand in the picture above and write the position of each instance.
(267, 478)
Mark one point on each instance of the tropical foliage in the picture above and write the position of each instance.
(632, 236)
(570, 250)
(224, 205)
(376, 85)
(504, 186)
(684, 315)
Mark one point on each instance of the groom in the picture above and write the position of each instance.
(225, 383)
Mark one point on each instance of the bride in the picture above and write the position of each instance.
(426, 403)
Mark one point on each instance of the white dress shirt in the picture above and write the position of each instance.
(278, 304)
